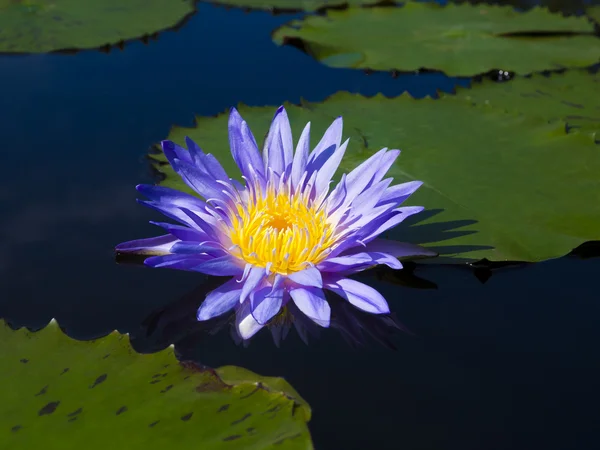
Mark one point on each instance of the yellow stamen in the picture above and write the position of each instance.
(282, 231)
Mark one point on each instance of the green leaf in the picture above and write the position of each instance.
(38, 26)
(296, 5)
(566, 97)
(460, 40)
(498, 185)
(58, 393)
(594, 13)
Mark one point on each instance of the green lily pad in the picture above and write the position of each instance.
(39, 26)
(497, 185)
(564, 97)
(58, 393)
(460, 40)
(296, 5)
(594, 13)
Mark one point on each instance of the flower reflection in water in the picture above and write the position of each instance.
(176, 324)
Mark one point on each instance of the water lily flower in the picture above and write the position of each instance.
(283, 235)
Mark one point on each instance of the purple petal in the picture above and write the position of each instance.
(245, 324)
(398, 215)
(160, 245)
(219, 301)
(170, 202)
(301, 156)
(398, 193)
(179, 262)
(266, 303)
(307, 277)
(359, 295)
(207, 161)
(311, 301)
(253, 279)
(337, 196)
(202, 183)
(221, 266)
(192, 248)
(331, 138)
(243, 145)
(279, 148)
(326, 172)
(173, 151)
(183, 233)
(358, 261)
(367, 200)
(384, 164)
(361, 176)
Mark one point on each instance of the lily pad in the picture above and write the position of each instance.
(497, 185)
(58, 393)
(296, 5)
(594, 13)
(564, 97)
(39, 26)
(460, 40)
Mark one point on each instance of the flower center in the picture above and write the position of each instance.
(281, 232)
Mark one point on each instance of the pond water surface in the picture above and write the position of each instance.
(509, 361)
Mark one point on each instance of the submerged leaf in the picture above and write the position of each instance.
(460, 40)
(58, 393)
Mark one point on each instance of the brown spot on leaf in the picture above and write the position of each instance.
(574, 105)
(254, 391)
(76, 412)
(121, 410)
(24, 360)
(187, 417)
(106, 356)
(16, 428)
(155, 381)
(282, 440)
(223, 408)
(235, 422)
(233, 437)
(273, 409)
(250, 430)
(48, 409)
(153, 423)
(167, 389)
(65, 370)
(99, 380)
(42, 391)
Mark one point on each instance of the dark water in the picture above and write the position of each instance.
(509, 363)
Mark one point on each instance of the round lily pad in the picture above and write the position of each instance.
(296, 5)
(460, 40)
(39, 26)
(58, 393)
(498, 185)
